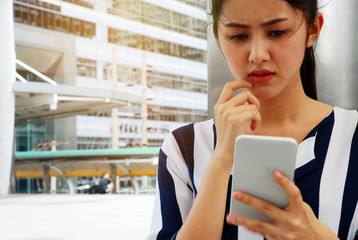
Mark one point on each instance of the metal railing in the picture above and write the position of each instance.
(33, 71)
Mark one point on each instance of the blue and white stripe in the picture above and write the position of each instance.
(326, 173)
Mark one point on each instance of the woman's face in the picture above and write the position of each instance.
(264, 42)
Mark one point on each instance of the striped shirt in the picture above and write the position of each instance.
(326, 173)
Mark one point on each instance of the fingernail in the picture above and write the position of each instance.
(278, 174)
(238, 195)
(231, 220)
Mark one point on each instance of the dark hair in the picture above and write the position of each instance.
(309, 8)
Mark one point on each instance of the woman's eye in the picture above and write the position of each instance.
(238, 37)
(277, 33)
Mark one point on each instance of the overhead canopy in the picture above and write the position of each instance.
(36, 101)
(45, 61)
(91, 162)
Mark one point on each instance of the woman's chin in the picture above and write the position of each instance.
(262, 94)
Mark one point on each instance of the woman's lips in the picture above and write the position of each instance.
(261, 76)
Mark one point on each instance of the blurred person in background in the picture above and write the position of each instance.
(105, 184)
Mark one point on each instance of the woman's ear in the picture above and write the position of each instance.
(314, 30)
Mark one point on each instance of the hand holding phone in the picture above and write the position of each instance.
(255, 159)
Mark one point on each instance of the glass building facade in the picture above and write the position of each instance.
(72, 42)
(91, 69)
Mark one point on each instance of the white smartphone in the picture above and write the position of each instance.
(255, 160)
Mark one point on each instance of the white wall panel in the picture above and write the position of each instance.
(179, 7)
(160, 96)
(94, 50)
(116, 22)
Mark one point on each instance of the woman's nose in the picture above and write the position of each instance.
(259, 52)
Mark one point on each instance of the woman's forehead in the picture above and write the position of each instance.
(256, 11)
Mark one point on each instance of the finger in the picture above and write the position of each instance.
(252, 114)
(241, 115)
(261, 227)
(229, 89)
(264, 234)
(293, 192)
(262, 206)
(245, 97)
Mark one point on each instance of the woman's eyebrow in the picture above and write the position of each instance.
(273, 21)
(265, 24)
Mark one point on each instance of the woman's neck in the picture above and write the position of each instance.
(289, 106)
(291, 114)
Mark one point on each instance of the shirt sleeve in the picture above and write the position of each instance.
(174, 194)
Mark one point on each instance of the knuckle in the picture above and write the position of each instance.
(266, 207)
(242, 221)
(219, 108)
(230, 119)
(286, 235)
(258, 104)
(295, 225)
(225, 114)
(296, 193)
(253, 113)
(307, 208)
(216, 107)
(259, 226)
(228, 84)
(246, 94)
(252, 107)
(247, 199)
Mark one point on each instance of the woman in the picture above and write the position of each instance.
(268, 47)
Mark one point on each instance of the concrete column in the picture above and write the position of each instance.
(101, 30)
(13, 168)
(135, 185)
(71, 185)
(118, 184)
(113, 177)
(53, 184)
(7, 97)
(144, 182)
(47, 179)
(144, 107)
(100, 75)
(114, 110)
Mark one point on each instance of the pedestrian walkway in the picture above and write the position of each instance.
(81, 216)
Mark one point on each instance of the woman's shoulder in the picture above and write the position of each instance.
(185, 135)
(189, 130)
(342, 124)
(343, 116)
(338, 124)
(344, 110)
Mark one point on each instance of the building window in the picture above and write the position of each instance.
(86, 68)
(45, 15)
(153, 15)
(80, 3)
(133, 40)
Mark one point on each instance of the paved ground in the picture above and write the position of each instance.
(81, 216)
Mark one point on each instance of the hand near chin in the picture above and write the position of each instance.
(297, 221)
(232, 114)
